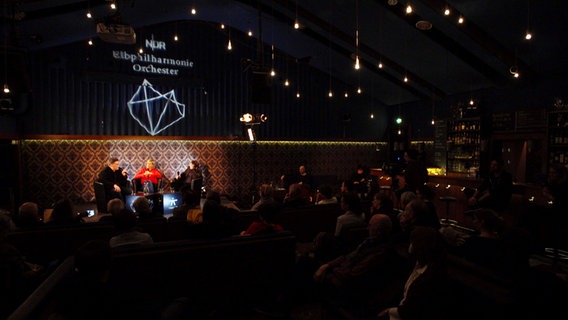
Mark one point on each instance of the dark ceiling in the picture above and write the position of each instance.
(448, 59)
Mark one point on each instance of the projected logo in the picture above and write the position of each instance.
(153, 110)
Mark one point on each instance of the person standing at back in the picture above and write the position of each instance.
(415, 172)
(496, 189)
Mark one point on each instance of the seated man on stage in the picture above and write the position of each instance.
(187, 178)
(149, 174)
(115, 180)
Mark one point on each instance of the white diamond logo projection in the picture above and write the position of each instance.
(152, 108)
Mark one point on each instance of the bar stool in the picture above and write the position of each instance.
(447, 220)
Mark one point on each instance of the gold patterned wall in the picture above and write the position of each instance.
(57, 168)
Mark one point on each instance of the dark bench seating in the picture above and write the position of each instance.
(213, 274)
(48, 243)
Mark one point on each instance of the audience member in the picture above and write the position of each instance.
(325, 195)
(382, 204)
(346, 279)
(190, 210)
(485, 247)
(426, 292)
(266, 193)
(28, 215)
(360, 180)
(129, 235)
(496, 189)
(416, 213)
(426, 194)
(297, 196)
(556, 189)
(218, 220)
(142, 208)
(353, 216)
(63, 214)
(266, 213)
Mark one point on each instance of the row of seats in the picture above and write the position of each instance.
(213, 274)
(48, 243)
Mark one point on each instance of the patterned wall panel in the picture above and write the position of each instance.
(53, 169)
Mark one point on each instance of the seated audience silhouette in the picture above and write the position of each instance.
(129, 235)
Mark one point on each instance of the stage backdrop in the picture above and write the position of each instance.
(57, 168)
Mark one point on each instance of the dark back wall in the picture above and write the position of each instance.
(84, 90)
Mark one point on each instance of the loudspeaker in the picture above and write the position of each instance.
(260, 88)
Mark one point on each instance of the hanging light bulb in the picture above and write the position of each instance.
(113, 5)
(193, 11)
(380, 65)
(6, 88)
(372, 116)
(229, 45)
(471, 102)
(346, 95)
(357, 66)
(90, 42)
(222, 26)
(272, 72)
(330, 94)
(298, 94)
(460, 20)
(141, 50)
(296, 24)
(359, 90)
(447, 11)
(528, 35)
(409, 9)
(433, 121)
(405, 79)
(399, 132)
(89, 15)
(286, 83)
(250, 33)
(176, 37)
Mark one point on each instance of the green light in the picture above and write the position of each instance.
(398, 120)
